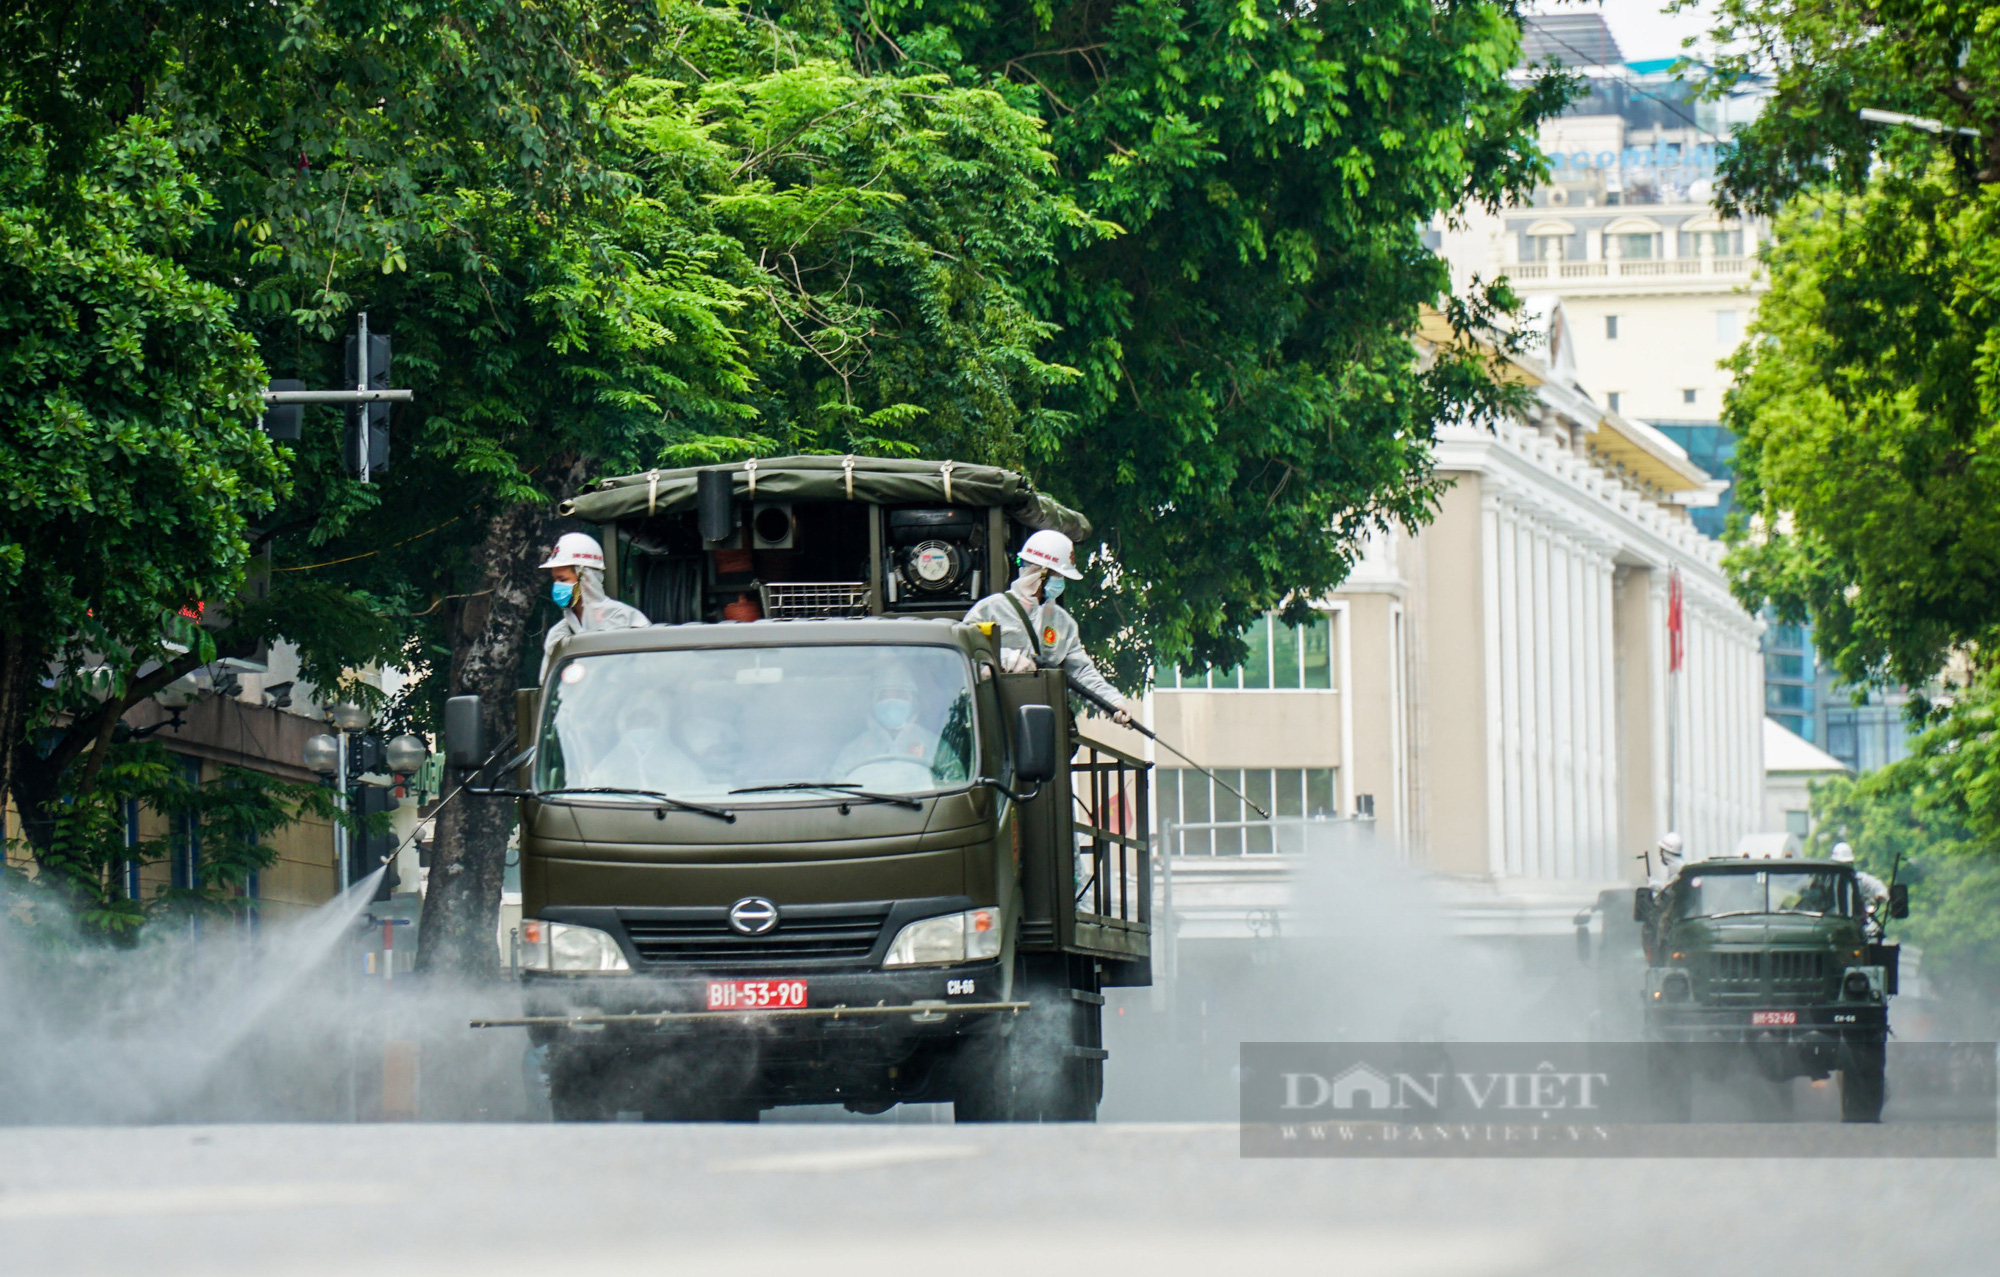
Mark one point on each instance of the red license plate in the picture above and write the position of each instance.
(755, 995)
(1774, 1017)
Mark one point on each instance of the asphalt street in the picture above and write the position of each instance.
(886, 1197)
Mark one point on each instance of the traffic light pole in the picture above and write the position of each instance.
(360, 395)
(339, 826)
(361, 418)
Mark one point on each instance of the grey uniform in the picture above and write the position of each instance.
(1053, 644)
(600, 614)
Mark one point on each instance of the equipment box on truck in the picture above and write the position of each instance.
(800, 840)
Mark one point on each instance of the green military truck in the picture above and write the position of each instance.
(1766, 964)
(801, 840)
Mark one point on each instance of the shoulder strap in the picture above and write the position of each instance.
(1028, 624)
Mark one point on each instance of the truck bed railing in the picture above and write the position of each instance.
(1111, 801)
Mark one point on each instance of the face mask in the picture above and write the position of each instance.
(562, 592)
(1054, 588)
(892, 713)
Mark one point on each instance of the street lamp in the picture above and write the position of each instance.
(350, 717)
(323, 755)
(179, 694)
(407, 753)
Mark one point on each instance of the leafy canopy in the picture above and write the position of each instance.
(1247, 397)
(1866, 395)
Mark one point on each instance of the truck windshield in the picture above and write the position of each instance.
(702, 724)
(1807, 891)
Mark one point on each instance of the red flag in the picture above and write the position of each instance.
(1676, 640)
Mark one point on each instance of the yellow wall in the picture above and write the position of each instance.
(1454, 780)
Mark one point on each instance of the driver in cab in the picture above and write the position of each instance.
(892, 733)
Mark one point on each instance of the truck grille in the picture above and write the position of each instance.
(1794, 970)
(1778, 976)
(804, 933)
(1736, 968)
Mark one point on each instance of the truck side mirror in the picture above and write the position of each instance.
(1642, 904)
(464, 732)
(1035, 743)
(1899, 900)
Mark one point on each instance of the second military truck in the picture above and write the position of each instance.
(1766, 963)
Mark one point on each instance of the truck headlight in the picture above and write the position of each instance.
(956, 937)
(1676, 987)
(1859, 984)
(564, 946)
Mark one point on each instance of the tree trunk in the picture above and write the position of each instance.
(460, 931)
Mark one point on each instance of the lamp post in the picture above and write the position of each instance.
(327, 755)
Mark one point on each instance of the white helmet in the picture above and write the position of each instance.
(1051, 550)
(1843, 853)
(1670, 844)
(577, 550)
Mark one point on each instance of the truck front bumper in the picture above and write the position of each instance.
(1817, 1041)
(854, 1006)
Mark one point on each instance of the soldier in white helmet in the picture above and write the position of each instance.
(1874, 893)
(1669, 861)
(577, 567)
(1035, 632)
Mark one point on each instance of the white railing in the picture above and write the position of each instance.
(1640, 268)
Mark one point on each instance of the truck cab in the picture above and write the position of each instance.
(801, 840)
(1767, 962)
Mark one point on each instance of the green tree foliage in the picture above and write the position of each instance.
(1167, 255)
(1865, 406)
(1865, 411)
(1867, 393)
(131, 466)
(1933, 819)
(1248, 397)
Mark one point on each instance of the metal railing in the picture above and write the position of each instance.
(1111, 791)
(806, 599)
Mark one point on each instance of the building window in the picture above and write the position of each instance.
(1798, 822)
(1687, 396)
(1638, 247)
(1611, 328)
(132, 885)
(1718, 243)
(1612, 400)
(1725, 327)
(1792, 696)
(186, 866)
(1784, 665)
(1282, 658)
(1187, 797)
(1548, 248)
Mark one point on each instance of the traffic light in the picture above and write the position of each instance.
(366, 756)
(371, 848)
(378, 413)
(285, 422)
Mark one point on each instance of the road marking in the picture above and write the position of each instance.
(873, 1157)
(214, 1199)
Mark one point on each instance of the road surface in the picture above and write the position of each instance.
(500, 1199)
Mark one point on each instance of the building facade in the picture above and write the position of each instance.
(1498, 691)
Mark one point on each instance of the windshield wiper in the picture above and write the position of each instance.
(655, 795)
(846, 789)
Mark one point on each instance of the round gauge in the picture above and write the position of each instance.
(935, 564)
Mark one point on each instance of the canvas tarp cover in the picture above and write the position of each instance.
(879, 479)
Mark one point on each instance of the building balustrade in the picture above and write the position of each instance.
(1633, 268)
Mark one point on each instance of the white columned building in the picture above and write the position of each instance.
(1494, 690)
